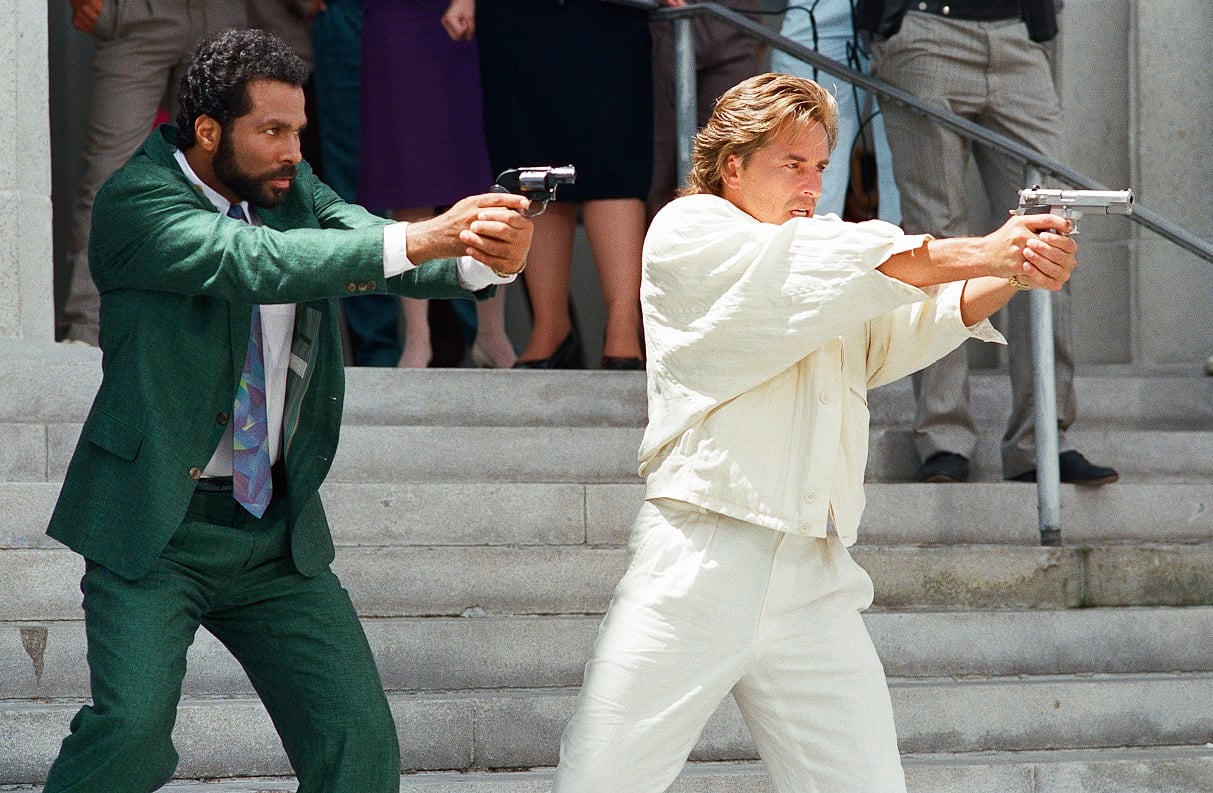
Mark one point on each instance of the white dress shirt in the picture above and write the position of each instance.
(762, 342)
(278, 320)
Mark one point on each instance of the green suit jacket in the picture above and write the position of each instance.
(178, 282)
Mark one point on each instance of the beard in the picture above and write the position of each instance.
(253, 188)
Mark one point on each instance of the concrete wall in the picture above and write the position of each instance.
(1093, 78)
(25, 187)
(1133, 77)
(1171, 159)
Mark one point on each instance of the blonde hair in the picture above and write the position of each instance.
(747, 116)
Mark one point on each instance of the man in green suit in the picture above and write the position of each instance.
(192, 493)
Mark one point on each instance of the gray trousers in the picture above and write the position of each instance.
(140, 54)
(993, 74)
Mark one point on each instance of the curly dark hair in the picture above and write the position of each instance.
(215, 84)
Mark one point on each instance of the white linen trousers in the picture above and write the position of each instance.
(709, 605)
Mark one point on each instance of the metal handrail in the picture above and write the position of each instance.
(1035, 166)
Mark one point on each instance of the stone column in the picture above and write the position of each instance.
(1171, 151)
(1094, 83)
(26, 259)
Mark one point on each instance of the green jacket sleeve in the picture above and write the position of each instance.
(162, 234)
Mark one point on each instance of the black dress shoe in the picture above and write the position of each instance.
(1076, 470)
(943, 467)
(567, 356)
(621, 364)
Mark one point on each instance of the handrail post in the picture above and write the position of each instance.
(1044, 390)
(685, 90)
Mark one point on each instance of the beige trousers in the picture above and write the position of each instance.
(712, 605)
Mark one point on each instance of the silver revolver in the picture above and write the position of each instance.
(537, 183)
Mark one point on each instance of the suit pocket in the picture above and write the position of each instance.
(113, 435)
(108, 20)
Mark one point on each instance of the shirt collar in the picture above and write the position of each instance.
(221, 203)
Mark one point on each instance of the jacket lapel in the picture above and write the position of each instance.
(308, 317)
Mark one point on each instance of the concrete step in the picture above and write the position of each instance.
(1149, 456)
(1163, 769)
(480, 730)
(66, 376)
(569, 513)
(1141, 400)
(1155, 401)
(37, 452)
(45, 660)
(449, 581)
(586, 426)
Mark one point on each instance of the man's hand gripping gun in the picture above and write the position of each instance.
(1073, 203)
(537, 183)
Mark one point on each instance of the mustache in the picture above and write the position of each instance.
(285, 172)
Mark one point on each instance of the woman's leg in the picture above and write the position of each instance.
(547, 280)
(615, 228)
(417, 346)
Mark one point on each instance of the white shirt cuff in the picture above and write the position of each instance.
(473, 275)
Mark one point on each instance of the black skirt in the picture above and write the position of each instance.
(569, 83)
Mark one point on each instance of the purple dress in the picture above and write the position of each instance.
(422, 122)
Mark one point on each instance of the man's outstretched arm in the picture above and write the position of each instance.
(1025, 247)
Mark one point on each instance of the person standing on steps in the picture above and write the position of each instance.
(585, 98)
(193, 491)
(766, 326)
(421, 110)
(139, 53)
(987, 61)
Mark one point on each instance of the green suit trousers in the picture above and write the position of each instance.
(298, 639)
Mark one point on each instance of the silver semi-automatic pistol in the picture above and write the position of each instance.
(1073, 204)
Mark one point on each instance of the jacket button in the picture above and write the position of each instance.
(809, 498)
(824, 396)
(221, 418)
(195, 472)
(369, 285)
(351, 287)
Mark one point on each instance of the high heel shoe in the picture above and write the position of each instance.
(618, 363)
(566, 356)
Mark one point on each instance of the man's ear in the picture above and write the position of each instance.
(732, 170)
(208, 131)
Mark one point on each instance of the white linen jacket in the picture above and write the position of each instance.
(762, 342)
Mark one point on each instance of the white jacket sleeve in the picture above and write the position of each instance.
(730, 302)
(916, 335)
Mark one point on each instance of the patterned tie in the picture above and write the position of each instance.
(252, 484)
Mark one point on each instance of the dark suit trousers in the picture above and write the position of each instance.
(298, 639)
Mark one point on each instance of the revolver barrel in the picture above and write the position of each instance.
(537, 183)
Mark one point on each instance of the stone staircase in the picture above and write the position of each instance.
(481, 519)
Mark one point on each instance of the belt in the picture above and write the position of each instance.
(214, 484)
(969, 10)
(223, 484)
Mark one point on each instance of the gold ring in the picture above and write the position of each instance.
(1018, 284)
